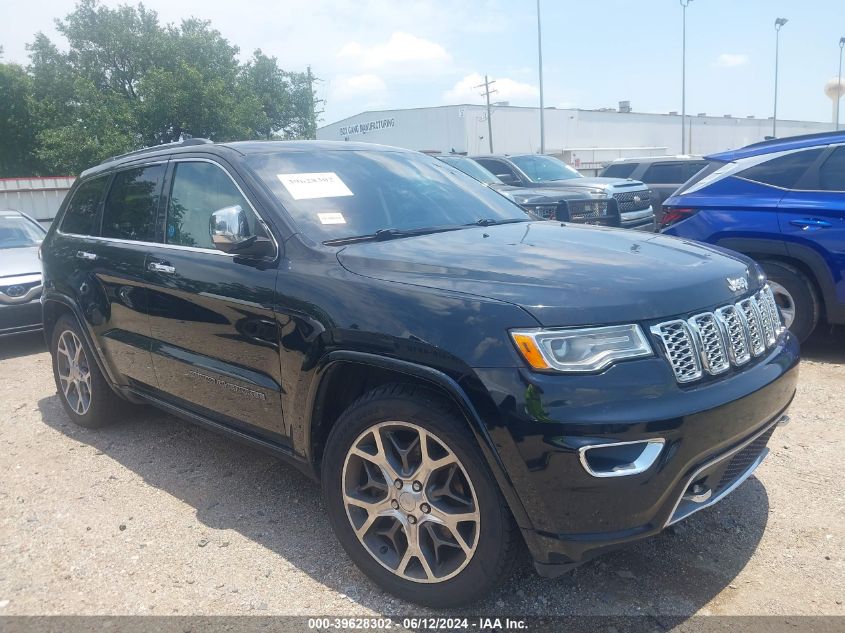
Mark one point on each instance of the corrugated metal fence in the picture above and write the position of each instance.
(37, 197)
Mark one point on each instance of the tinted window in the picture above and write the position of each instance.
(82, 210)
(832, 172)
(620, 170)
(692, 168)
(783, 171)
(543, 168)
(665, 174)
(471, 168)
(199, 189)
(131, 205)
(497, 167)
(345, 193)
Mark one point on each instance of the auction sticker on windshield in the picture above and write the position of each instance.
(315, 185)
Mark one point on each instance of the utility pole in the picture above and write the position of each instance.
(487, 92)
(839, 85)
(684, 4)
(779, 22)
(540, 59)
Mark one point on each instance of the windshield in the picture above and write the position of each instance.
(17, 232)
(471, 168)
(338, 194)
(543, 168)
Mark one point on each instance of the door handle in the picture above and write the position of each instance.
(808, 223)
(86, 255)
(161, 268)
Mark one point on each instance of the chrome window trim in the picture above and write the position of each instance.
(179, 247)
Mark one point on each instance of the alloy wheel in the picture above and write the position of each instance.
(410, 502)
(785, 302)
(74, 372)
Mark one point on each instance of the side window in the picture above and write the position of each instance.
(82, 209)
(692, 168)
(832, 172)
(497, 167)
(665, 174)
(783, 171)
(199, 189)
(131, 205)
(619, 170)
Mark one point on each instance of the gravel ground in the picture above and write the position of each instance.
(156, 516)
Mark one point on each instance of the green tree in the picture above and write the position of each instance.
(17, 122)
(128, 82)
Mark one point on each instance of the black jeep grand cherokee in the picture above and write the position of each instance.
(460, 377)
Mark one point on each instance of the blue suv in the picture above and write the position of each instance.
(781, 202)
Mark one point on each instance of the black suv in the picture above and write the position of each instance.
(460, 377)
(627, 198)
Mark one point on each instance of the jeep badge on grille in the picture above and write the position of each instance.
(737, 284)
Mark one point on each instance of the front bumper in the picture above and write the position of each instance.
(714, 434)
(640, 220)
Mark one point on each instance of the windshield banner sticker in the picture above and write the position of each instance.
(317, 185)
(331, 218)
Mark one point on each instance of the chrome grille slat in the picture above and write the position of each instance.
(680, 349)
(626, 202)
(711, 342)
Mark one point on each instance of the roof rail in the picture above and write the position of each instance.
(183, 143)
(821, 136)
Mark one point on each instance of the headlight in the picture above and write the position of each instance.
(580, 350)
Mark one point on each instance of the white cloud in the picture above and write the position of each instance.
(400, 48)
(345, 87)
(465, 90)
(731, 60)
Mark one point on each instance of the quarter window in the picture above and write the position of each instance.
(199, 189)
(832, 172)
(784, 171)
(131, 205)
(82, 209)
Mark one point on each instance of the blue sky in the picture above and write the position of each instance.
(379, 54)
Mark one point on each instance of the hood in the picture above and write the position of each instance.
(19, 261)
(526, 195)
(561, 274)
(625, 184)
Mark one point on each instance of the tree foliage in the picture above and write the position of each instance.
(126, 81)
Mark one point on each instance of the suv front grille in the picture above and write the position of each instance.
(628, 201)
(713, 341)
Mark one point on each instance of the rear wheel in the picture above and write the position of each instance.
(412, 501)
(85, 395)
(796, 297)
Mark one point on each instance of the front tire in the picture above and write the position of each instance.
(412, 501)
(796, 297)
(85, 395)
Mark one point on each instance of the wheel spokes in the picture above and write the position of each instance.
(73, 372)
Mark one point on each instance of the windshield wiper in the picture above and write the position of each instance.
(493, 222)
(390, 234)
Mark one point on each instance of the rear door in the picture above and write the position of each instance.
(812, 214)
(127, 228)
(216, 339)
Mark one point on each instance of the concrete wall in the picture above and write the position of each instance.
(517, 129)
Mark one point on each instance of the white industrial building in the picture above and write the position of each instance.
(584, 138)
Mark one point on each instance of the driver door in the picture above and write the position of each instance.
(215, 340)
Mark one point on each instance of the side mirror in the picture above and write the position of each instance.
(508, 179)
(229, 230)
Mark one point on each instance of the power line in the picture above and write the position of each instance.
(486, 94)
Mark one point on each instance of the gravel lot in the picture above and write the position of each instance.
(156, 516)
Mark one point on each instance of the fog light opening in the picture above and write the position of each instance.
(620, 459)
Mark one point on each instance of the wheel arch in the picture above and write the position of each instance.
(804, 258)
(345, 375)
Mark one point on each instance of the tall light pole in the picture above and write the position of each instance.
(540, 58)
(684, 4)
(779, 22)
(839, 85)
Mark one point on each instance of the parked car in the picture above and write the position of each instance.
(781, 202)
(630, 199)
(662, 174)
(459, 376)
(549, 204)
(20, 273)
